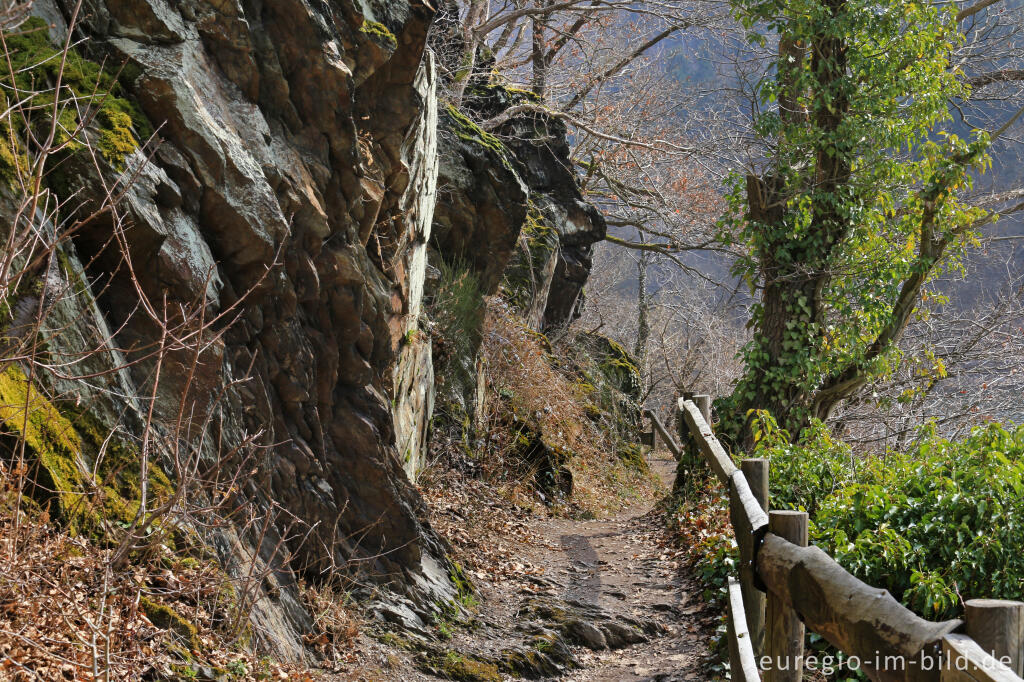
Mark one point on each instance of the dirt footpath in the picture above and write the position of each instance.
(621, 566)
(611, 589)
(577, 600)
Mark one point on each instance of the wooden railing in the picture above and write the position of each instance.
(658, 429)
(784, 586)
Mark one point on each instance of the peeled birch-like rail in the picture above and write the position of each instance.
(785, 587)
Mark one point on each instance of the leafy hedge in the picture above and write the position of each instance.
(935, 525)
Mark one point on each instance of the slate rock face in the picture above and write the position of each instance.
(540, 145)
(300, 173)
(509, 212)
(293, 179)
(489, 182)
(482, 200)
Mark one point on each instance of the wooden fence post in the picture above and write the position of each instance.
(784, 637)
(686, 448)
(681, 427)
(756, 472)
(703, 403)
(997, 625)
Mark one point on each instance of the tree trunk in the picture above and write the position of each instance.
(540, 57)
(643, 325)
(789, 327)
(476, 16)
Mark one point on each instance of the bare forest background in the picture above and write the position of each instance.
(660, 100)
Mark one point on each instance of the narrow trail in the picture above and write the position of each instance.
(612, 588)
(602, 600)
(618, 565)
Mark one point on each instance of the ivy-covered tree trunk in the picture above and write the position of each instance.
(796, 271)
(857, 206)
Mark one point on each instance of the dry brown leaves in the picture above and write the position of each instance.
(61, 615)
(701, 521)
(65, 614)
(486, 528)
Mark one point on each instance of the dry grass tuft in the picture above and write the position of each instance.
(336, 624)
(531, 382)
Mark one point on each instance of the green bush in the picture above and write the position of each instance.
(934, 525)
(937, 523)
(802, 476)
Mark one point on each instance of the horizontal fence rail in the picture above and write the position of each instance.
(658, 428)
(785, 586)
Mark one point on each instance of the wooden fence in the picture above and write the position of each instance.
(784, 586)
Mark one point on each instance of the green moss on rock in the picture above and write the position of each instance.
(465, 668)
(465, 129)
(463, 585)
(119, 468)
(632, 455)
(522, 94)
(396, 641)
(499, 96)
(89, 492)
(49, 439)
(616, 363)
(538, 241)
(379, 32)
(117, 121)
(165, 617)
(117, 140)
(14, 162)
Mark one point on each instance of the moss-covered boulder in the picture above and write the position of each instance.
(464, 668)
(88, 476)
(611, 382)
(615, 362)
(165, 617)
(548, 461)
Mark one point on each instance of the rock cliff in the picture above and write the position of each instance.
(501, 189)
(510, 214)
(299, 179)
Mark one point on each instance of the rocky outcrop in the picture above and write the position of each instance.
(509, 214)
(500, 191)
(291, 192)
(482, 204)
(482, 200)
(615, 375)
(540, 145)
(299, 180)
